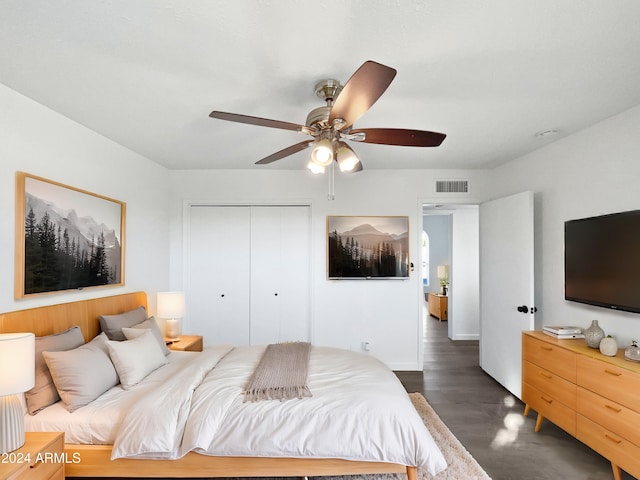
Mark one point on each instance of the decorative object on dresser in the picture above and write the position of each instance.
(17, 375)
(591, 396)
(41, 457)
(171, 305)
(608, 346)
(438, 305)
(593, 335)
(632, 352)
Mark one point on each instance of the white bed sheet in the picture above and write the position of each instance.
(98, 422)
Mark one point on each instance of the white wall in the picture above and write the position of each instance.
(345, 313)
(593, 172)
(438, 227)
(38, 141)
(464, 308)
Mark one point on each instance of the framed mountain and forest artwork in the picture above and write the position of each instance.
(367, 247)
(66, 238)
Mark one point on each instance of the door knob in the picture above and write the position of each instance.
(523, 309)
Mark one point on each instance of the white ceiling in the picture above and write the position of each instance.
(489, 74)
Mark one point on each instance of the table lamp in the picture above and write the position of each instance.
(442, 272)
(171, 306)
(17, 375)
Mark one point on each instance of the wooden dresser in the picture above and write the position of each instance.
(438, 305)
(593, 397)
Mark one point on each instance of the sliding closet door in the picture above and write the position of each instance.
(280, 274)
(219, 273)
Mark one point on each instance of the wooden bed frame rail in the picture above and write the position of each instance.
(95, 460)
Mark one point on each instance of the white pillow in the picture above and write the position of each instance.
(149, 324)
(83, 374)
(136, 358)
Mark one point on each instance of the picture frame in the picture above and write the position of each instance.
(368, 247)
(66, 238)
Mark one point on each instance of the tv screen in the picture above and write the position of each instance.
(602, 261)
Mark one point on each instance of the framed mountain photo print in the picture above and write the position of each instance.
(367, 247)
(66, 238)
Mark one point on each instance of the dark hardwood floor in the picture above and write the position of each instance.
(489, 420)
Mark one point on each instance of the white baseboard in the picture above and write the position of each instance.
(466, 336)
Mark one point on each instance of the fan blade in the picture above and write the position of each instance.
(285, 152)
(261, 122)
(361, 91)
(399, 136)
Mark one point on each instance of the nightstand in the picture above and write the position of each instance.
(40, 458)
(186, 343)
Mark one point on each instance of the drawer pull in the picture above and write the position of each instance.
(615, 374)
(548, 400)
(546, 375)
(548, 349)
(615, 409)
(614, 440)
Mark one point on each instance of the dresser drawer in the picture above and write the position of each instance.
(43, 458)
(610, 445)
(557, 360)
(43, 471)
(550, 383)
(550, 408)
(610, 381)
(618, 419)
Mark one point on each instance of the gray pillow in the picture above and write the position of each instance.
(83, 374)
(112, 325)
(149, 324)
(44, 392)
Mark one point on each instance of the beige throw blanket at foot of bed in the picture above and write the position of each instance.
(281, 373)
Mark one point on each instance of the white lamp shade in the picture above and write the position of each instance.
(322, 154)
(170, 304)
(17, 362)
(315, 168)
(443, 272)
(347, 158)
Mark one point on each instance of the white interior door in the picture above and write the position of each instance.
(218, 265)
(280, 258)
(506, 286)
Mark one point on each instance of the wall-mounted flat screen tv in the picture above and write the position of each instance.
(602, 261)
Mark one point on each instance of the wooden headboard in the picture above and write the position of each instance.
(57, 318)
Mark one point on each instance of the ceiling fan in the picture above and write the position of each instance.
(330, 125)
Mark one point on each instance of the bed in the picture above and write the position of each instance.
(205, 428)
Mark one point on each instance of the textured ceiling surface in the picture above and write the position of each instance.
(490, 74)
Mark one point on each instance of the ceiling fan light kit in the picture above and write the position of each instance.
(322, 153)
(331, 124)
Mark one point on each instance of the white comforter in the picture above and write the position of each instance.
(359, 411)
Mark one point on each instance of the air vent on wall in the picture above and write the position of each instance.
(452, 186)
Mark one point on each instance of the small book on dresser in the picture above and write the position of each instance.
(562, 330)
(563, 336)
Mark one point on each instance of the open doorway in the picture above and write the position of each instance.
(453, 235)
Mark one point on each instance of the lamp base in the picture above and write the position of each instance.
(173, 328)
(11, 424)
